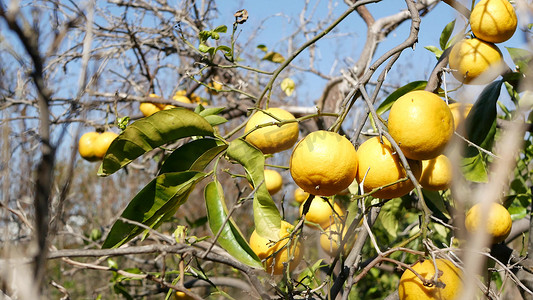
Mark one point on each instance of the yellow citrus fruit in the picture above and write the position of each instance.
(86, 146)
(300, 195)
(493, 20)
(498, 221)
(215, 85)
(475, 61)
(276, 253)
(182, 296)
(436, 173)
(148, 108)
(460, 112)
(273, 181)
(448, 287)
(322, 212)
(181, 98)
(273, 138)
(103, 142)
(382, 166)
(421, 123)
(92, 146)
(323, 163)
(330, 239)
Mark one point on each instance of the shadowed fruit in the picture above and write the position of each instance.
(448, 284)
(421, 123)
(273, 138)
(460, 112)
(498, 221)
(276, 253)
(330, 239)
(300, 195)
(493, 20)
(322, 212)
(273, 181)
(384, 168)
(475, 61)
(436, 173)
(323, 163)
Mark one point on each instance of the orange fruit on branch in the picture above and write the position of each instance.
(323, 163)
(380, 167)
(277, 253)
(271, 138)
(421, 123)
(493, 20)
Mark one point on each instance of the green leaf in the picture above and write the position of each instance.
(436, 204)
(221, 28)
(287, 85)
(211, 111)
(215, 120)
(520, 57)
(445, 35)
(274, 57)
(483, 114)
(267, 218)
(231, 238)
(151, 132)
(195, 156)
(388, 217)
(435, 50)
(474, 169)
(157, 201)
(262, 48)
(204, 48)
(517, 212)
(225, 49)
(387, 103)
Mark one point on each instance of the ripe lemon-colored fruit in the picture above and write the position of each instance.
(273, 138)
(323, 163)
(384, 167)
(498, 221)
(215, 85)
(93, 146)
(460, 112)
(448, 287)
(300, 195)
(86, 146)
(273, 181)
(421, 123)
(182, 296)
(436, 173)
(475, 61)
(322, 212)
(180, 97)
(103, 142)
(266, 249)
(330, 239)
(493, 20)
(148, 108)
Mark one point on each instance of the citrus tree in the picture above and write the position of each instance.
(169, 157)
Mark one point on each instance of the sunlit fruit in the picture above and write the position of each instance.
(92, 146)
(447, 287)
(380, 169)
(271, 138)
(493, 20)
(324, 163)
(421, 123)
(474, 61)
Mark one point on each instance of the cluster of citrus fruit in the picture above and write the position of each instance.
(478, 60)
(92, 146)
(149, 108)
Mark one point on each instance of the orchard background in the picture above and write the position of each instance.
(69, 67)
